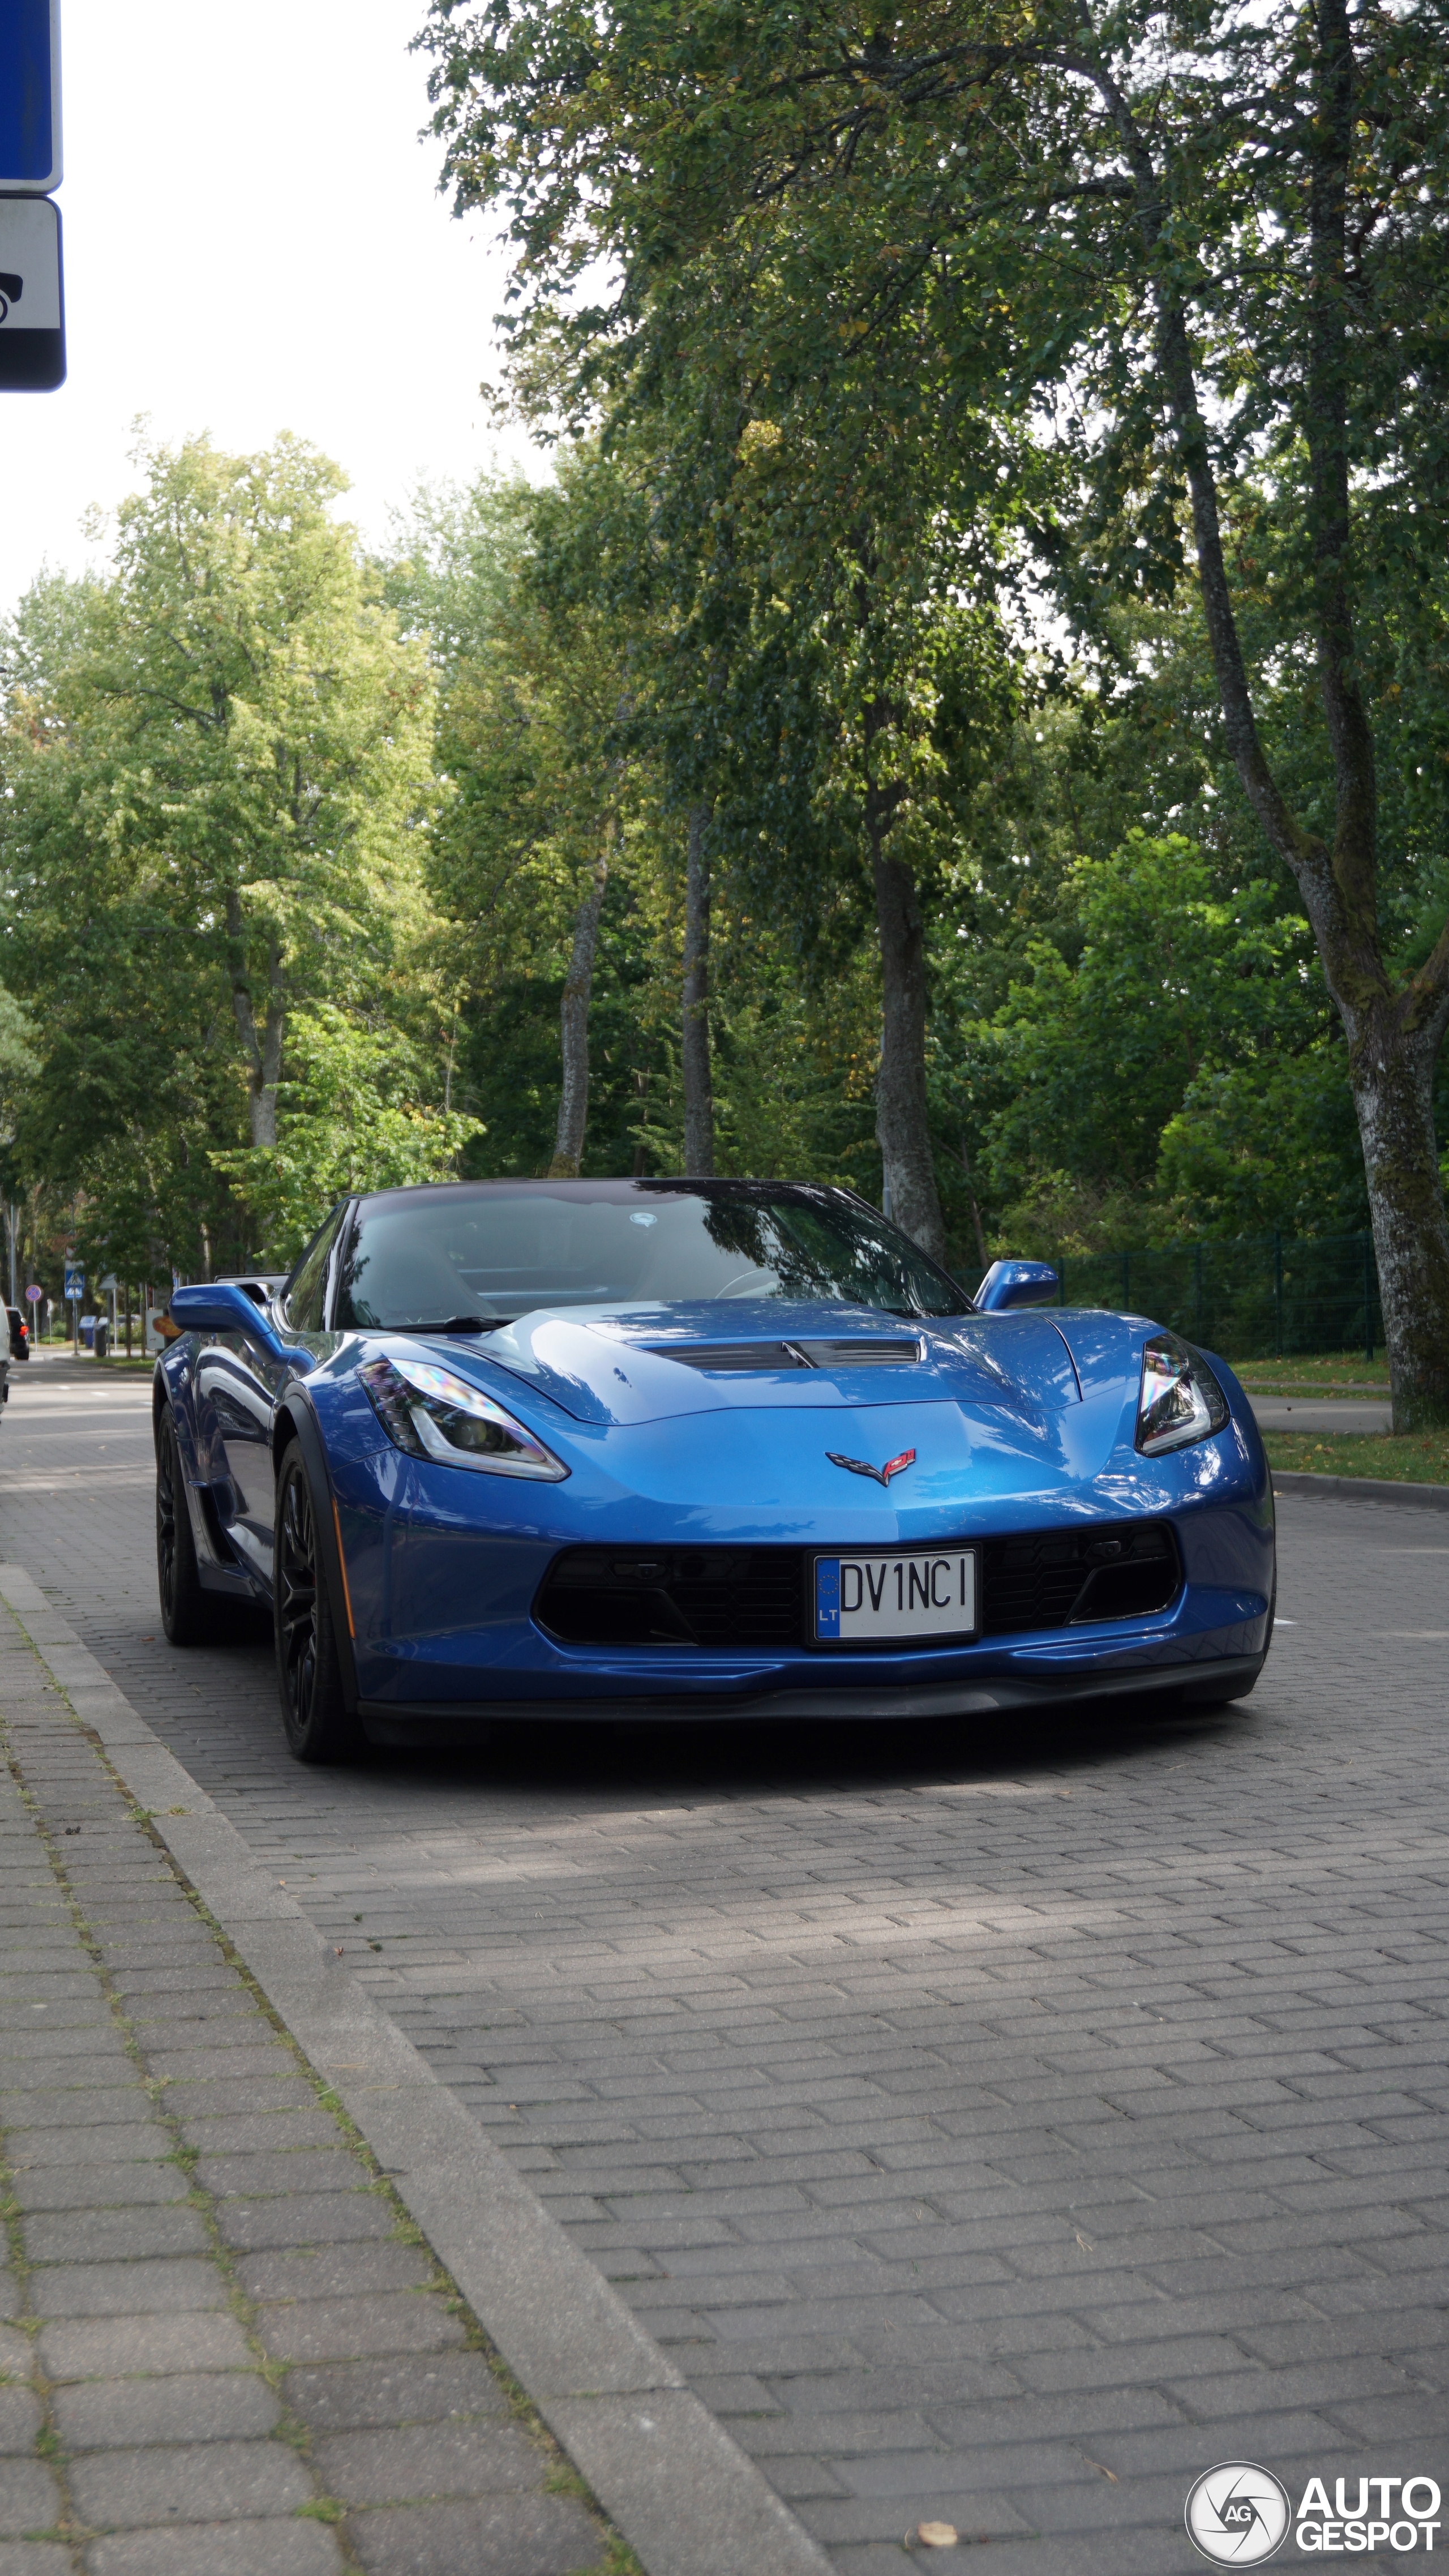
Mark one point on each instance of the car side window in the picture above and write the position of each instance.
(305, 1291)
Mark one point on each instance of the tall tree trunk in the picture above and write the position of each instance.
(698, 1095)
(901, 1123)
(261, 1047)
(1394, 1030)
(1393, 1090)
(573, 1106)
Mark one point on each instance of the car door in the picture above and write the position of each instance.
(239, 1384)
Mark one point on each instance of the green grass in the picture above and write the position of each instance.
(1323, 1373)
(1420, 1459)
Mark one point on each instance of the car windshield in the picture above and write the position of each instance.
(478, 1256)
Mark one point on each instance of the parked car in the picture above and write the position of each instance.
(682, 1449)
(19, 1334)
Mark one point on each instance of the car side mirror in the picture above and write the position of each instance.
(1016, 1283)
(221, 1306)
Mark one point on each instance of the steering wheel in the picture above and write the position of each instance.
(741, 1286)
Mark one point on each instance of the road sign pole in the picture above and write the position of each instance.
(75, 1289)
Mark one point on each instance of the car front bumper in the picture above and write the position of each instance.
(444, 1573)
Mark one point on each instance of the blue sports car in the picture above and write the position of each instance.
(676, 1448)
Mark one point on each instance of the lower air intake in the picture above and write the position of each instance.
(756, 1599)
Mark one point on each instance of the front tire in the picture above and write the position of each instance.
(186, 1613)
(318, 1724)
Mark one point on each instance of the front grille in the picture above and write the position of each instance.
(750, 1599)
(689, 1596)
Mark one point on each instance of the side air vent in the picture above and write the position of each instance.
(759, 1356)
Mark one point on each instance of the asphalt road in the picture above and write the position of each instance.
(999, 2125)
(1320, 1413)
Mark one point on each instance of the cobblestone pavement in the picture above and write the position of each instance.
(999, 2126)
(223, 2352)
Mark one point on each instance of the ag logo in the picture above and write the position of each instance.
(1238, 2515)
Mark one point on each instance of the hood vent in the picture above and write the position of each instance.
(899, 1353)
(760, 1356)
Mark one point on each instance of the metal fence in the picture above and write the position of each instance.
(1259, 1297)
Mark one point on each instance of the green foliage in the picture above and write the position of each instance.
(218, 766)
(1169, 980)
(1267, 1143)
(349, 1119)
(534, 660)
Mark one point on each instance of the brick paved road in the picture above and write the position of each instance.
(224, 2351)
(999, 2126)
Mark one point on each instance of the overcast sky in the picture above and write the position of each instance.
(253, 242)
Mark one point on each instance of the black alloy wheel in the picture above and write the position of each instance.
(319, 1726)
(186, 1613)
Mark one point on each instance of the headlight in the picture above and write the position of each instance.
(1179, 1401)
(433, 1414)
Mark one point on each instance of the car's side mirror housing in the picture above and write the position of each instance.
(222, 1306)
(1016, 1283)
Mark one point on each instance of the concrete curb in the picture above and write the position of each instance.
(1362, 1489)
(683, 2494)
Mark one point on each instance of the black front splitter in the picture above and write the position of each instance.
(434, 1721)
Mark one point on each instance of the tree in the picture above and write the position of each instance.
(218, 765)
(1194, 246)
(535, 654)
(832, 505)
(354, 1116)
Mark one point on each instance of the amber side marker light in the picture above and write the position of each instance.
(342, 1561)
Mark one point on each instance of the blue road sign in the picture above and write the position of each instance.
(75, 1285)
(30, 96)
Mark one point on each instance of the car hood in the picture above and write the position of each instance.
(607, 1365)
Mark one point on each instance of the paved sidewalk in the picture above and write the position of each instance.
(226, 2351)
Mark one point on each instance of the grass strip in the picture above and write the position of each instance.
(1418, 1458)
(1321, 1373)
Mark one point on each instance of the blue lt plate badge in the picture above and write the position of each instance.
(909, 1593)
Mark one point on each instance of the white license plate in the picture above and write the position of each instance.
(915, 1592)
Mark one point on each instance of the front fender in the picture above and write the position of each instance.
(296, 1420)
(171, 1392)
